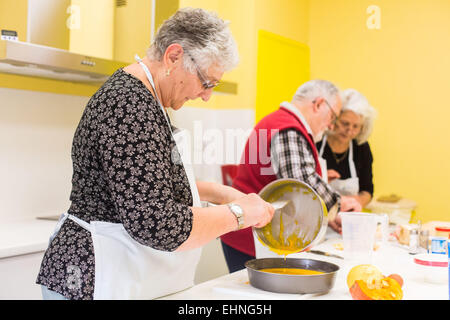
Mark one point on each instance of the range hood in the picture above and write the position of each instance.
(24, 58)
(36, 60)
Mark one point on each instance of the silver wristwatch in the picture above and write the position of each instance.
(238, 212)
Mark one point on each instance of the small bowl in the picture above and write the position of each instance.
(432, 267)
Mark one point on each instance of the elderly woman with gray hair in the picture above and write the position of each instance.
(135, 225)
(346, 150)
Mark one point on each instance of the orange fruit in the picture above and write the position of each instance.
(365, 272)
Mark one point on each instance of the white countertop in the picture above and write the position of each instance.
(390, 259)
(24, 236)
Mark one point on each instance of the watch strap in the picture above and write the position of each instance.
(238, 213)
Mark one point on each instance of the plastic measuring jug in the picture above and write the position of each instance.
(359, 234)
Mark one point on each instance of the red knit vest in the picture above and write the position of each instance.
(255, 170)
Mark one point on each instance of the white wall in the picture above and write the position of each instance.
(206, 128)
(36, 131)
(217, 135)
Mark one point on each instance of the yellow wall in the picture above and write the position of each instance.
(282, 53)
(283, 64)
(242, 25)
(288, 18)
(403, 69)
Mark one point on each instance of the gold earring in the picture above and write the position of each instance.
(168, 72)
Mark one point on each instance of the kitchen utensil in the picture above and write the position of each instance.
(358, 233)
(287, 283)
(280, 204)
(323, 253)
(299, 224)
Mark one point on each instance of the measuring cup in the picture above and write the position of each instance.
(359, 233)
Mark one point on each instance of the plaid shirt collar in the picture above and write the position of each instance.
(289, 106)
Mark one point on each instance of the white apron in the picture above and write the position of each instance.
(345, 187)
(126, 269)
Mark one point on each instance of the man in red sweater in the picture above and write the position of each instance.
(282, 145)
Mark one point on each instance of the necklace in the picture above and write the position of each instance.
(339, 159)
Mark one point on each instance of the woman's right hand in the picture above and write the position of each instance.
(257, 212)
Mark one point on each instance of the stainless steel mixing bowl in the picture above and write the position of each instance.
(298, 226)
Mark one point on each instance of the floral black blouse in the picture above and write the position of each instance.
(122, 173)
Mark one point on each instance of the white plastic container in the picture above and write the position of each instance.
(432, 267)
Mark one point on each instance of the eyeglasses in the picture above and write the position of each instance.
(334, 115)
(207, 84)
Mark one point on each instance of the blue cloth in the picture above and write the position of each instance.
(51, 295)
(235, 259)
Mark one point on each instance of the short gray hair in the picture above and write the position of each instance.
(313, 89)
(354, 101)
(203, 36)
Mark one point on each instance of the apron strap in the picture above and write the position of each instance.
(81, 223)
(322, 147)
(152, 83)
(351, 163)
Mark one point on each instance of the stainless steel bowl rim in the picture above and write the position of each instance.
(321, 232)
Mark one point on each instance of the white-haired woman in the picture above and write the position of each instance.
(346, 150)
(135, 224)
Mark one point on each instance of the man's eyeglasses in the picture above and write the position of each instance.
(334, 115)
(207, 84)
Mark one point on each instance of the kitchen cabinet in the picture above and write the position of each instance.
(13, 16)
(22, 246)
(136, 22)
(18, 277)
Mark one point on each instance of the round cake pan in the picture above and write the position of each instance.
(286, 283)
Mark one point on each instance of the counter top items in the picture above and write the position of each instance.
(431, 267)
(390, 259)
(323, 253)
(366, 282)
(400, 210)
(442, 231)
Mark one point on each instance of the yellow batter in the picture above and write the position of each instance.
(292, 271)
(287, 244)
